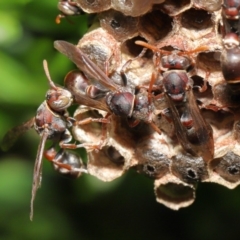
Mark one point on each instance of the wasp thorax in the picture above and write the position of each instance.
(175, 84)
(175, 62)
(121, 103)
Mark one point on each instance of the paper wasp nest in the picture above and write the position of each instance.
(185, 26)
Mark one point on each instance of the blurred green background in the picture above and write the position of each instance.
(86, 208)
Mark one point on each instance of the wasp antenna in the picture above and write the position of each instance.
(45, 67)
(146, 45)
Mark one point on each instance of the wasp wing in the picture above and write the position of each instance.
(83, 99)
(202, 129)
(13, 134)
(37, 172)
(85, 64)
(180, 130)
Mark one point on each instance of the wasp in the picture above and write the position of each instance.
(230, 16)
(193, 132)
(123, 101)
(50, 122)
(230, 55)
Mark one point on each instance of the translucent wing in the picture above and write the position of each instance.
(85, 64)
(203, 130)
(180, 130)
(37, 172)
(13, 134)
(203, 145)
(83, 99)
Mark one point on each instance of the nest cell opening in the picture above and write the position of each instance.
(196, 19)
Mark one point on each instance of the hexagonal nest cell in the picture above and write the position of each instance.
(183, 127)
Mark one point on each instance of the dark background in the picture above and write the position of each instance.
(86, 208)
